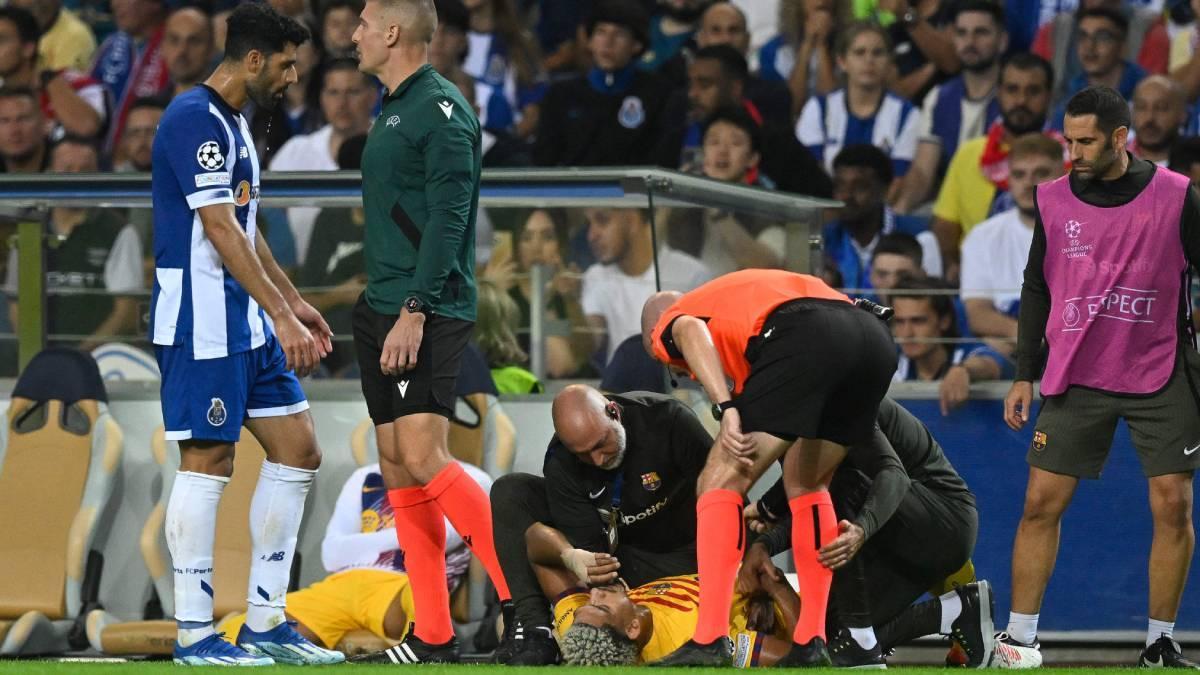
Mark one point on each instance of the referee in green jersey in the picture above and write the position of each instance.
(420, 173)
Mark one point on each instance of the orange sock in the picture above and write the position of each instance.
(814, 524)
(421, 532)
(470, 512)
(719, 543)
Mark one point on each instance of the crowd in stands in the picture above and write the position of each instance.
(931, 120)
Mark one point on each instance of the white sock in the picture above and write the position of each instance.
(865, 637)
(275, 513)
(951, 610)
(1023, 627)
(191, 522)
(1158, 629)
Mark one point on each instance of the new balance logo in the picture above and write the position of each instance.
(277, 556)
(402, 385)
(447, 108)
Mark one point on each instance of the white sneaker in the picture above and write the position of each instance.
(1009, 653)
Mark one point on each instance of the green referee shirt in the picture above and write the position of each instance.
(420, 172)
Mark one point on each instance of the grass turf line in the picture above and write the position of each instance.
(155, 667)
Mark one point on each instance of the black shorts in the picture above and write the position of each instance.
(429, 388)
(818, 370)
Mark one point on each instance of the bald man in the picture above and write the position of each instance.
(618, 499)
(1159, 112)
(188, 48)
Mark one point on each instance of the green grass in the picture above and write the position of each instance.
(155, 667)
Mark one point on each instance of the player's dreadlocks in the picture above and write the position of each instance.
(585, 645)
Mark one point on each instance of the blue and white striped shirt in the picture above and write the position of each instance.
(203, 155)
(826, 126)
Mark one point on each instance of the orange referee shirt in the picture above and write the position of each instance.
(735, 306)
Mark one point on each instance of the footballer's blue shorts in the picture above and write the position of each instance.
(210, 399)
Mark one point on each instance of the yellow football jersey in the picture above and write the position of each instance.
(674, 602)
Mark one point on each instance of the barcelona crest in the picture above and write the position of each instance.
(651, 481)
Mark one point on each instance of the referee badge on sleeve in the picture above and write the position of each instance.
(1039, 440)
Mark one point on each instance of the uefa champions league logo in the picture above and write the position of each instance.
(210, 157)
(1073, 229)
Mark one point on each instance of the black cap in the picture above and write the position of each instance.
(627, 13)
(453, 13)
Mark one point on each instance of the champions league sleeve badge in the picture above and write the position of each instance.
(633, 112)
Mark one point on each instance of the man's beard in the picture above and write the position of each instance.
(262, 95)
(979, 66)
(1104, 161)
(1030, 213)
(1016, 127)
(1167, 141)
(620, 457)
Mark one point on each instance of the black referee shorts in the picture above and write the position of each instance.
(818, 370)
(429, 388)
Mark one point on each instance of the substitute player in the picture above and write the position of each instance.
(1106, 286)
(808, 370)
(231, 333)
(420, 173)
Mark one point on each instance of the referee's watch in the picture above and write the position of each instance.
(414, 305)
(718, 409)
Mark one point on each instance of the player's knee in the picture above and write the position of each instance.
(308, 459)
(511, 490)
(1172, 508)
(1043, 507)
(720, 474)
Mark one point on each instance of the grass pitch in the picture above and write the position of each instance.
(164, 667)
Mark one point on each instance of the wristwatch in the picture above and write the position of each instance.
(414, 305)
(718, 409)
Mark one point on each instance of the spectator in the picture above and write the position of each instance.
(348, 99)
(995, 252)
(624, 274)
(23, 146)
(98, 252)
(807, 32)
(921, 41)
(864, 111)
(449, 46)
(724, 24)
(1185, 58)
(1146, 41)
(339, 19)
(963, 107)
(142, 124)
(1159, 113)
(129, 62)
(301, 105)
(66, 43)
(542, 240)
(72, 103)
(134, 154)
(557, 32)
(923, 319)
(725, 241)
(506, 65)
(897, 256)
(671, 31)
(335, 266)
(495, 334)
(1100, 36)
(976, 184)
(716, 79)
(1185, 158)
(861, 174)
(614, 114)
(188, 48)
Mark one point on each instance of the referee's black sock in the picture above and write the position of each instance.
(519, 501)
(916, 621)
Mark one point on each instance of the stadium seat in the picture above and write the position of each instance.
(231, 555)
(60, 455)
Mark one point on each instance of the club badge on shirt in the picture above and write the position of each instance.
(633, 113)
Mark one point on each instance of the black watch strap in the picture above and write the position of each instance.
(718, 409)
